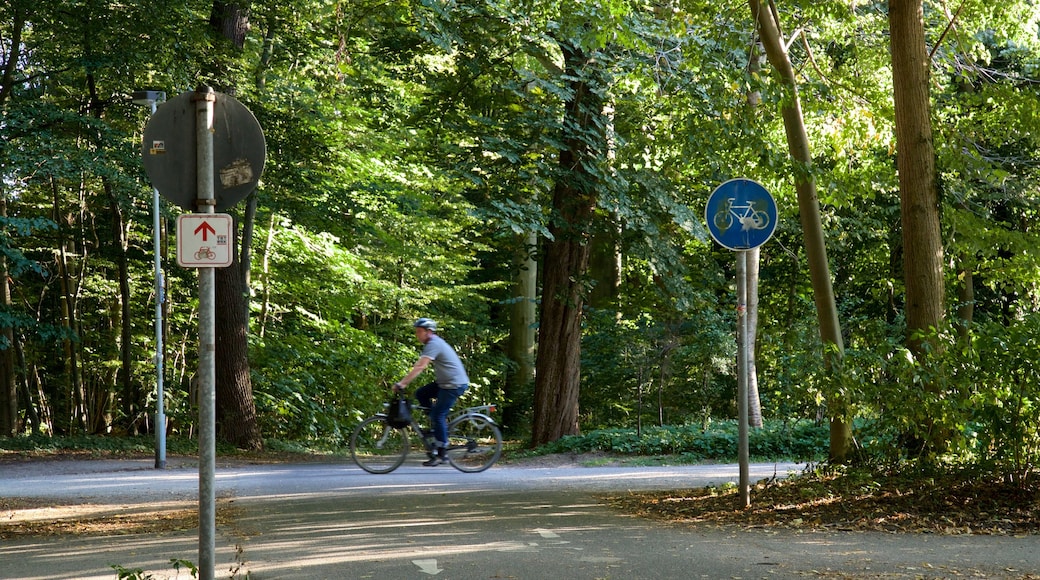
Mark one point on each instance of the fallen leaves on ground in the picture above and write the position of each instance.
(889, 502)
(30, 518)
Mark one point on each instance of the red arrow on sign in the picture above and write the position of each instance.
(205, 228)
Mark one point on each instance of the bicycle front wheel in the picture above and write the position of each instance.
(377, 447)
(474, 444)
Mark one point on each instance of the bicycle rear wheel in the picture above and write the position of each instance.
(377, 447)
(474, 444)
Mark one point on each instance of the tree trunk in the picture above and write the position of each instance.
(922, 241)
(8, 382)
(522, 320)
(75, 412)
(265, 273)
(809, 211)
(754, 401)
(918, 193)
(231, 21)
(8, 368)
(133, 402)
(566, 260)
(19, 13)
(558, 363)
(34, 418)
(754, 258)
(236, 410)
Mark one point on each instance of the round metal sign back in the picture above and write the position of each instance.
(169, 151)
(741, 214)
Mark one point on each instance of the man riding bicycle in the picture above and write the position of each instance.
(450, 382)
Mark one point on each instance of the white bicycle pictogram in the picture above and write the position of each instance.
(746, 215)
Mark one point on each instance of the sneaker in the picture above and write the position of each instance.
(435, 460)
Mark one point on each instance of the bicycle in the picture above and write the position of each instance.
(749, 219)
(205, 253)
(474, 441)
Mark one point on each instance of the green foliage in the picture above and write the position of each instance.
(1003, 407)
(99, 446)
(638, 371)
(800, 441)
(124, 573)
(318, 387)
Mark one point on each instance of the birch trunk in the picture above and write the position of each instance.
(809, 211)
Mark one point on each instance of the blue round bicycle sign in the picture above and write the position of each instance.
(741, 214)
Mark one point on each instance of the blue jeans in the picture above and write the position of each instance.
(445, 400)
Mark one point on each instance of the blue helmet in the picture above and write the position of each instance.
(426, 323)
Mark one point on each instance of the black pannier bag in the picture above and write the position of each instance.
(399, 414)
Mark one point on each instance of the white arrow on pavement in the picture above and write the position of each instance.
(427, 566)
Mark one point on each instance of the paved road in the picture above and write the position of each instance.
(335, 521)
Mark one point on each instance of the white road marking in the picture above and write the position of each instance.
(427, 566)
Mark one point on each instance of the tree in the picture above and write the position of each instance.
(918, 193)
(236, 412)
(809, 211)
(522, 321)
(8, 375)
(558, 365)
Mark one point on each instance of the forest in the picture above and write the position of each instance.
(533, 175)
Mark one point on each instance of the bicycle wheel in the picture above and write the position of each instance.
(474, 444)
(760, 220)
(377, 447)
(723, 218)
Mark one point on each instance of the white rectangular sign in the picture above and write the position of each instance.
(204, 240)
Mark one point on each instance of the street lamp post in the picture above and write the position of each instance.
(152, 99)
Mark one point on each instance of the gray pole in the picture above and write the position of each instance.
(152, 99)
(742, 380)
(160, 298)
(205, 99)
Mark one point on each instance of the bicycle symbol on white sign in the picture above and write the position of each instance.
(748, 217)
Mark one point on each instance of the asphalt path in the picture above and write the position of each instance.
(336, 521)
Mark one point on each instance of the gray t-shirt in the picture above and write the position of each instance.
(447, 368)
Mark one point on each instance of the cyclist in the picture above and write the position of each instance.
(450, 381)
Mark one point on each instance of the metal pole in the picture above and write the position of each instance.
(742, 380)
(152, 99)
(160, 299)
(205, 99)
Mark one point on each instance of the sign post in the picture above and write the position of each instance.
(741, 216)
(204, 99)
(150, 99)
(196, 141)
